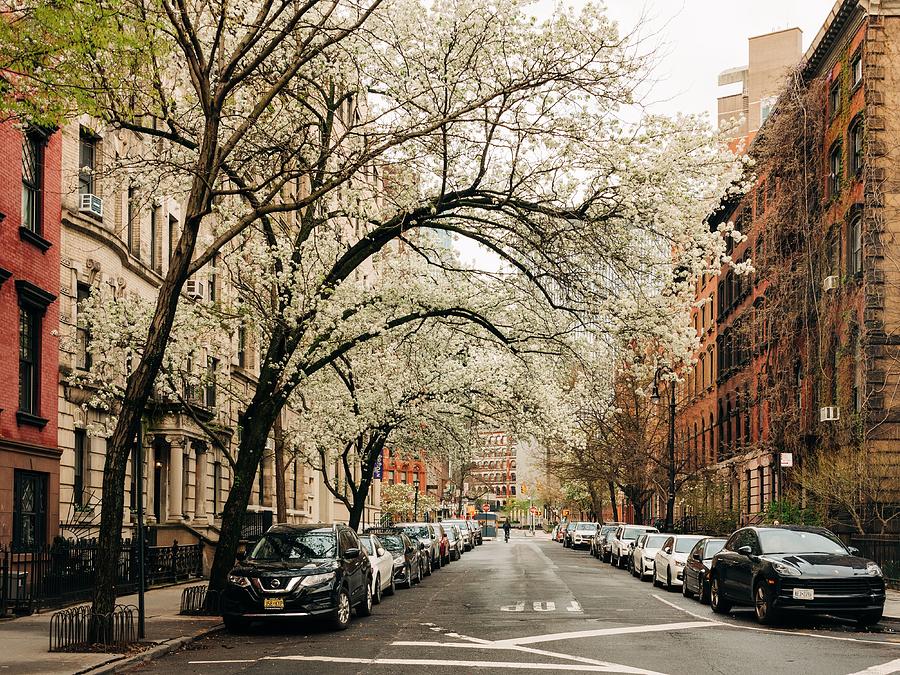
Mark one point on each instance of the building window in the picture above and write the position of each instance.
(173, 235)
(155, 263)
(87, 157)
(242, 346)
(32, 181)
(81, 447)
(212, 279)
(856, 146)
(217, 486)
(296, 477)
(835, 168)
(856, 70)
(855, 247)
(212, 366)
(29, 351)
(834, 98)
(29, 510)
(132, 233)
(83, 333)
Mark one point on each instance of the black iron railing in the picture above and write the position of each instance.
(79, 629)
(64, 573)
(255, 524)
(885, 550)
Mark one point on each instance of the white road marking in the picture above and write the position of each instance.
(510, 665)
(740, 626)
(548, 606)
(883, 669)
(574, 606)
(517, 607)
(625, 630)
(223, 661)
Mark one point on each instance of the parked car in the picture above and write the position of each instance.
(454, 538)
(429, 534)
(696, 571)
(795, 569)
(644, 554)
(668, 565)
(465, 533)
(606, 544)
(477, 536)
(560, 531)
(583, 535)
(300, 570)
(567, 534)
(596, 542)
(621, 541)
(405, 552)
(382, 567)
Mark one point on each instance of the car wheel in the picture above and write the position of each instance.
(340, 615)
(766, 614)
(364, 608)
(684, 588)
(235, 624)
(719, 604)
(870, 618)
(390, 590)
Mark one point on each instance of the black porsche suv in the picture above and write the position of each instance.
(795, 569)
(299, 571)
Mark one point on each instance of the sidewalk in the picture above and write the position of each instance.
(25, 640)
(892, 605)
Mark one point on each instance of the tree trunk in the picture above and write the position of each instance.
(612, 500)
(138, 389)
(257, 421)
(670, 486)
(596, 501)
(280, 489)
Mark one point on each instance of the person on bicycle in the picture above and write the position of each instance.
(506, 528)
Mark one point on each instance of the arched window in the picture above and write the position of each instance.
(856, 138)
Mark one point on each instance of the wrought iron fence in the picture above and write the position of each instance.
(199, 601)
(255, 524)
(78, 628)
(64, 572)
(885, 550)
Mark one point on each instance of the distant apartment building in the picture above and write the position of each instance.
(799, 361)
(29, 323)
(771, 57)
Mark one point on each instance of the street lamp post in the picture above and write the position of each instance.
(416, 500)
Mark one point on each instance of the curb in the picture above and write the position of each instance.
(126, 664)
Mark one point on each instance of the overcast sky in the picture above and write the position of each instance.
(694, 41)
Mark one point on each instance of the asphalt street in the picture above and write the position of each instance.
(531, 606)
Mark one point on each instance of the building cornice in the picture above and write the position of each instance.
(31, 449)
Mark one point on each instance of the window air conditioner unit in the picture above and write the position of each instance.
(830, 283)
(91, 204)
(193, 289)
(830, 413)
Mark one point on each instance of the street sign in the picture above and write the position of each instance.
(787, 459)
(565, 512)
(534, 510)
(485, 507)
(378, 471)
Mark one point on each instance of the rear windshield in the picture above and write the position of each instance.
(683, 545)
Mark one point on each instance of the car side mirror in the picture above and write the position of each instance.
(379, 551)
(745, 550)
(853, 550)
(241, 556)
(667, 550)
(351, 553)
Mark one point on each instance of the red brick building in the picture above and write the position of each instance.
(30, 178)
(404, 470)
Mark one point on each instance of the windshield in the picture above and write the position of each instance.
(570, 526)
(683, 545)
(451, 533)
(608, 528)
(655, 541)
(633, 532)
(712, 547)
(367, 544)
(585, 526)
(417, 531)
(392, 542)
(792, 541)
(301, 545)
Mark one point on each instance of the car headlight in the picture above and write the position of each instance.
(238, 580)
(873, 570)
(316, 579)
(785, 570)
(678, 563)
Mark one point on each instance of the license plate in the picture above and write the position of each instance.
(273, 603)
(804, 594)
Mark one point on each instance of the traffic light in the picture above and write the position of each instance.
(524, 488)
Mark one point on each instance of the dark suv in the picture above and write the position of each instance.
(300, 570)
(408, 554)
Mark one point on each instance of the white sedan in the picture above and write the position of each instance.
(671, 559)
(382, 567)
(645, 550)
